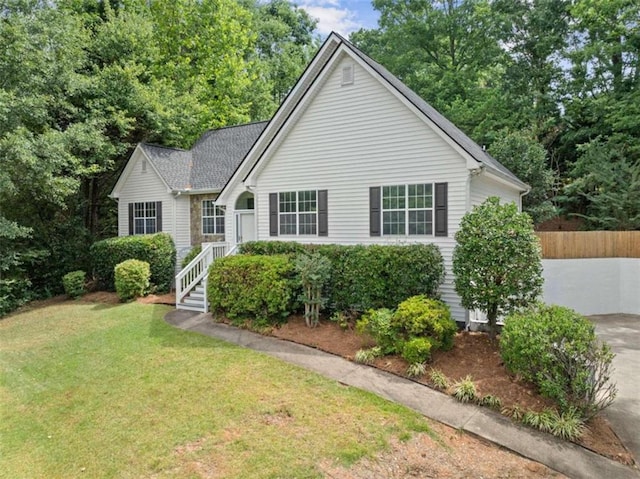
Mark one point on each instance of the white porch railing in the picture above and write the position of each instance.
(196, 273)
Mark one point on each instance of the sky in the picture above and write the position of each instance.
(341, 16)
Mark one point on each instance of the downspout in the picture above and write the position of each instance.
(522, 195)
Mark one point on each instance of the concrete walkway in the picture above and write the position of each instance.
(622, 332)
(564, 457)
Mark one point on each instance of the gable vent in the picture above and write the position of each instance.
(347, 75)
(144, 166)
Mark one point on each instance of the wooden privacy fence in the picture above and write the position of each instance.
(589, 244)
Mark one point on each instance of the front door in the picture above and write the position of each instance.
(245, 227)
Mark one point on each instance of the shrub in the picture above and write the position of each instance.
(497, 262)
(269, 248)
(193, 252)
(132, 279)
(367, 356)
(377, 323)
(367, 277)
(14, 292)
(313, 273)
(421, 316)
(74, 283)
(491, 401)
(465, 391)
(439, 380)
(416, 369)
(416, 350)
(256, 288)
(381, 276)
(157, 249)
(556, 348)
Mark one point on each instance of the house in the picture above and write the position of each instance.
(352, 156)
(174, 190)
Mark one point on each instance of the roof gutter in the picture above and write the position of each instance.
(190, 191)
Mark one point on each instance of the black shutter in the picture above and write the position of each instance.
(374, 211)
(323, 217)
(273, 214)
(158, 216)
(130, 218)
(441, 209)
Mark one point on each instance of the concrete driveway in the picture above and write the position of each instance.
(622, 332)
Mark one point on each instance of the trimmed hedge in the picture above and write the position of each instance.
(261, 289)
(369, 277)
(157, 249)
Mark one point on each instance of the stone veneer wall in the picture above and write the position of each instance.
(196, 221)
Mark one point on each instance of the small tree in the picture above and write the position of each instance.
(313, 272)
(496, 261)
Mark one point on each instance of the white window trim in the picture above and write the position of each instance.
(297, 214)
(145, 217)
(215, 217)
(407, 209)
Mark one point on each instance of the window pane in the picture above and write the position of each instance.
(208, 225)
(150, 226)
(420, 222)
(220, 225)
(306, 201)
(151, 209)
(287, 224)
(138, 228)
(138, 210)
(393, 197)
(207, 208)
(393, 222)
(420, 196)
(307, 224)
(288, 202)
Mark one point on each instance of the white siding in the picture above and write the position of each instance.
(141, 186)
(181, 225)
(351, 138)
(482, 187)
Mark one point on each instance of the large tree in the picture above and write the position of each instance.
(497, 260)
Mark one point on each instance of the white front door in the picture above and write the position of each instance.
(245, 227)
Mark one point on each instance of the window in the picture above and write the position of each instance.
(297, 212)
(407, 209)
(145, 218)
(212, 218)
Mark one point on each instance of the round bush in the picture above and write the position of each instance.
(132, 279)
(556, 348)
(416, 350)
(421, 316)
(377, 323)
(74, 283)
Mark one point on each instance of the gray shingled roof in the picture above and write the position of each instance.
(211, 161)
(449, 128)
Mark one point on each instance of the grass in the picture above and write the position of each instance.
(113, 391)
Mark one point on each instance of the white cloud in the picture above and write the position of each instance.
(332, 16)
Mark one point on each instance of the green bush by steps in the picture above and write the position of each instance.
(245, 288)
(132, 279)
(368, 277)
(157, 249)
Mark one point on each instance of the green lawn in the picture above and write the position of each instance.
(94, 390)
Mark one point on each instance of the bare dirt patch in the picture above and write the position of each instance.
(473, 354)
(454, 455)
